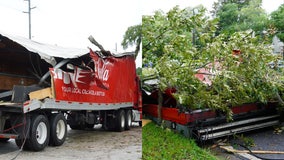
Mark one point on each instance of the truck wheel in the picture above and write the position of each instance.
(58, 129)
(39, 133)
(128, 119)
(120, 123)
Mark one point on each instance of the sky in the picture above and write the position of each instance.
(69, 23)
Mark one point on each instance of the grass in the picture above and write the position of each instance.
(163, 144)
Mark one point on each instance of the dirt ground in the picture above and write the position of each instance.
(87, 145)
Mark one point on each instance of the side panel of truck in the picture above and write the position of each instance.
(107, 80)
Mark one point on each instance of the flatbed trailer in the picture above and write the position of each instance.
(82, 91)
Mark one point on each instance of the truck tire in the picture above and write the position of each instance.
(128, 119)
(120, 120)
(39, 133)
(58, 129)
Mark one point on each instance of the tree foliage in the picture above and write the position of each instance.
(168, 40)
(133, 36)
(179, 27)
(278, 21)
(217, 6)
(240, 16)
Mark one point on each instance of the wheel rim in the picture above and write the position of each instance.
(60, 129)
(41, 132)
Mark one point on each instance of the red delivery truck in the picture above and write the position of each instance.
(80, 90)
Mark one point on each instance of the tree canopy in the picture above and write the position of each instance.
(238, 15)
(180, 28)
(278, 22)
(133, 36)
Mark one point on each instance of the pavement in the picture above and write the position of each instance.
(88, 144)
(268, 139)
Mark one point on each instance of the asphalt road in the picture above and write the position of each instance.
(264, 139)
(86, 145)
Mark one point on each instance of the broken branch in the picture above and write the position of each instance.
(104, 52)
(92, 39)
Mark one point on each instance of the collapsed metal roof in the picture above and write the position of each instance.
(47, 52)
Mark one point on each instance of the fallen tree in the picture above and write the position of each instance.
(208, 71)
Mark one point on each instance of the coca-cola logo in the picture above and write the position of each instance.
(79, 76)
(101, 69)
(98, 76)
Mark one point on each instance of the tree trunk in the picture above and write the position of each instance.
(160, 103)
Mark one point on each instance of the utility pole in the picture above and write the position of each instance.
(29, 12)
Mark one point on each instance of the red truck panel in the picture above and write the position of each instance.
(174, 115)
(112, 80)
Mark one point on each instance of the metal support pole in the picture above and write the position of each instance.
(30, 20)
(29, 12)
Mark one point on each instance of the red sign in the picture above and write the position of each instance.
(112, 80)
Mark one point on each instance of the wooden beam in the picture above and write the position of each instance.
(41, 94)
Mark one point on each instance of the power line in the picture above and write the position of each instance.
(29, 13)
